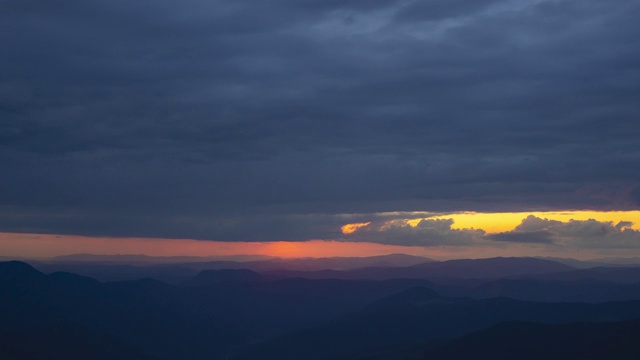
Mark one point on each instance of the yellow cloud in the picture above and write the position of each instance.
(351, 228)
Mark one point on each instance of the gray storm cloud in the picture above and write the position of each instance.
(195, 119)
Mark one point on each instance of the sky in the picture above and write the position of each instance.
(457, 127)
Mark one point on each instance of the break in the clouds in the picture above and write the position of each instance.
(589, 233)
(242, 120)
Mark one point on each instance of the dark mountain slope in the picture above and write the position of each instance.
(269, 308)
(421, 315)
(65, 341)
(527, 341)
(30, 300)
(204, 320)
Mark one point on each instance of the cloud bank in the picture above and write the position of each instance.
(252, 120)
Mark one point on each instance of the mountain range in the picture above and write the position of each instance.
(261, 312)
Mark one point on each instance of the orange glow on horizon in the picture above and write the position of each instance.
(33, 246)
(50, 245)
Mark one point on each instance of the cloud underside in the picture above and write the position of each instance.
(268, 120)
(427, 232)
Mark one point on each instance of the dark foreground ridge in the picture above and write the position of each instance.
(419, 315)
(527, 341)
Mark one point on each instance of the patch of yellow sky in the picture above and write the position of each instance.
(501, 222)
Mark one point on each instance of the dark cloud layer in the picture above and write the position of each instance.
(257, 120)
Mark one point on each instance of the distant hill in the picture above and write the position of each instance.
(252, 261)
(146, 259)
(587, 290)
(206, 277)
(481, 269)
(630, 261)
(348, 263)
(578, 264)
(392, 266)
(621, 275)
(317, 264)
(178, 269)
(492, 267)
(105, 271)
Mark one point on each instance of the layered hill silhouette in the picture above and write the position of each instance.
(279, 313)
(31, 301)
(180, 269)
(205, 318)
(491, 268)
